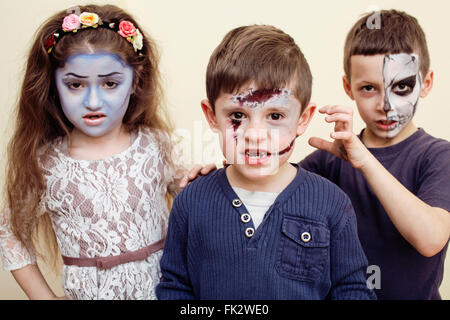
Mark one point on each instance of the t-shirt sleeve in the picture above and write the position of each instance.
(434, 181)
(323, 163)
(314, 162)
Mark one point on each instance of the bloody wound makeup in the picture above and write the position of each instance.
(285, 150)
(274, 107)
(256, 98)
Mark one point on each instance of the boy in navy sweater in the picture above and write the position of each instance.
(261, 228)
(397, 175)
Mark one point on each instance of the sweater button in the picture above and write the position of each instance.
(245, 217)
(249, 232)
(306, 236)
(237, 203)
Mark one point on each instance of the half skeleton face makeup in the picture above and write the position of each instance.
(402, 85)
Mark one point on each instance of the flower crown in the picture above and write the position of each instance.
(73, 23)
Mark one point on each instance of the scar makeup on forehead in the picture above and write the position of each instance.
(258, 97)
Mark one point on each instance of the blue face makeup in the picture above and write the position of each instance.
(94, 91)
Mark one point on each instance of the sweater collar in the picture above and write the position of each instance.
(282, 197)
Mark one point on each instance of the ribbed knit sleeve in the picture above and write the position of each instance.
(175, 283)
(348, 261)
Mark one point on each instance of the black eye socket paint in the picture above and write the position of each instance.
(409, 82)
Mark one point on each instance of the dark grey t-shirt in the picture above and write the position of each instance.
(422, 164)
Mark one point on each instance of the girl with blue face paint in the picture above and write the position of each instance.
(90, 159)
(94, 91)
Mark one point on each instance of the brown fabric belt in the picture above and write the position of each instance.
(112, 261)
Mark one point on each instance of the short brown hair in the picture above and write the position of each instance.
(397, 32)
(261, 54)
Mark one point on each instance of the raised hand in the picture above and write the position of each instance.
(346, 144)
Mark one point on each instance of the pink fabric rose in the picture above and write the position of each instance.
(71, 22)
(127, 29)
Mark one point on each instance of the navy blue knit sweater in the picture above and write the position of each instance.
(306, 247)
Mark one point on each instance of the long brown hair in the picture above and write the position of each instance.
(39, 117)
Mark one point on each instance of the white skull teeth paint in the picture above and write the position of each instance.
(256, 154)
(402, 85)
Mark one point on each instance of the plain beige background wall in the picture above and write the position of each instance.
(188, 31)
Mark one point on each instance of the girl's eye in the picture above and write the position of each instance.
(275, 116)
(74, 85)
(237, 115)
(110, 84)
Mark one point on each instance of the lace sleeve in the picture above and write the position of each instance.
(13, 254)
(177, 173)
(174, 173)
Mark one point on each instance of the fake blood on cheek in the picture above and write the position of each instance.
(235, 124)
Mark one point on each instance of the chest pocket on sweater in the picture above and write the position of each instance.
(303, 250)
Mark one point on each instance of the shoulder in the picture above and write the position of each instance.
(49, 154)
(428, 151)
(320, 162)
(147, 136)
(156, 139)
(422, 143)
(202, 189)
(433, 145)
(322, 185)
(318, 156)
(151, 142)
(324, 200)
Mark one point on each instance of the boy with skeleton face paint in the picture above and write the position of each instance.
(396, 174)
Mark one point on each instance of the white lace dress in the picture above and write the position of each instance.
(102, 208)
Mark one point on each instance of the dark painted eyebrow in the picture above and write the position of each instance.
(100, 75)
(411, 81)
(109, 74)
(75, 75)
